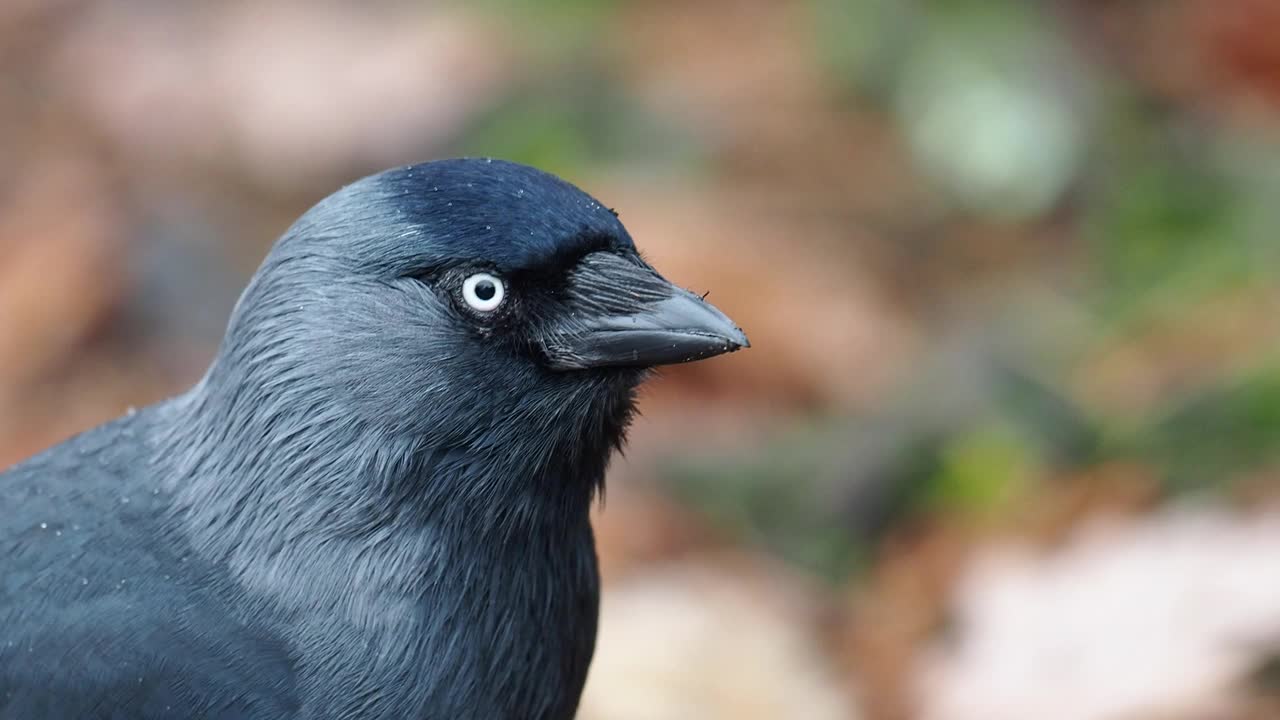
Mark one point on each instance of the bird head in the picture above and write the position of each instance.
(459, 296)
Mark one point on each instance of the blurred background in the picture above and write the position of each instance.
(1007, 444)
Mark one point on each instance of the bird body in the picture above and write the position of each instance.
(375, 504)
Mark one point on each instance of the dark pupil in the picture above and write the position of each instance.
(485, 290)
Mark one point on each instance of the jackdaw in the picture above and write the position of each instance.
(375, 502)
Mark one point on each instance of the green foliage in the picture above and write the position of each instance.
(1162, 223)
(1218, 433)
(578, 122)
(863, 42)
(982, 471)
(773, 498)
(555, 27)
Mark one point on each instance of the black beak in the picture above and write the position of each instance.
(621, 313)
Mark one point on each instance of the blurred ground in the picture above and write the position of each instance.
(1008, 439)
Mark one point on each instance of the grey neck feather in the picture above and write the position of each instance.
(272, 479)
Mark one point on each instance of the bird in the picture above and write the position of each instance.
(375, 502)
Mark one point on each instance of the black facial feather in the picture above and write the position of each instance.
(375, 503)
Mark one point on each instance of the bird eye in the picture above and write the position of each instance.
(483, 292)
